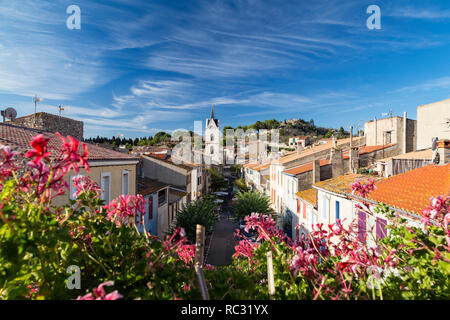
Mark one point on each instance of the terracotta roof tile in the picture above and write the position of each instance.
(411, 191)
(309, 151)
(305, 167)
(18, 138)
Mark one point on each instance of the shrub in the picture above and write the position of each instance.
(202, 211)
(250, 202)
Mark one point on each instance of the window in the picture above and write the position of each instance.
(125, 182)
(211, 150)
(106, 186)
(338, 210)
(199, 181)
(212, 137)
(324, 210)
(304, 210)
(298, 206)
(161, 197)
(72, 188)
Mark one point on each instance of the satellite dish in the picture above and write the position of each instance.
(10, 113)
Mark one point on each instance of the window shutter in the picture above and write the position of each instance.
(362, 226)
(338, 210)
(150, 207)
(304, 210)
(381, 228)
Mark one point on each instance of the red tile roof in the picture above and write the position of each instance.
(18, 138)
(368, 149)
(411, 191)
(305, 167)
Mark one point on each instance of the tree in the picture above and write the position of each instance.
(240, 184)
(250, 202)
(202, 211)
(217, 180)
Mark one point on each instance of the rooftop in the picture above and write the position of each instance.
(305, 167)
(342, 184)
(309, 151)
(368, 149)
(411, 191)
(18, 139)
(168, 159)
(146, 186)
(420, 155)
(309, 195)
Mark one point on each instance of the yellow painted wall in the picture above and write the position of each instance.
(95, 174)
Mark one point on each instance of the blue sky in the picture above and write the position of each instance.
(138, 67)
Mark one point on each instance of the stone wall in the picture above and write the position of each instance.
(52, 123)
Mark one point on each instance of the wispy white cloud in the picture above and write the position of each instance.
(440, 83)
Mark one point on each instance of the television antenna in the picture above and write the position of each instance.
(9, 113)
(36, 99)
(387, 113)
(60, 109)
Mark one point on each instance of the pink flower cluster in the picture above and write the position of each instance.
(438, 213)
(99, 293)
(186, 252)
(264, 225)
(45, 176)
(85, 184)
(34, 288)
(363, 188)
(7, 164)
(125, 207)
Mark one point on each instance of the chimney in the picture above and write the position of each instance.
(337, 163)
(404, 133)
(354, 159)
(351, 137)
(376, 132)
(316, 171)
(299, 147)
(443, 148)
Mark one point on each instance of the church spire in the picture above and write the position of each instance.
(212, 112)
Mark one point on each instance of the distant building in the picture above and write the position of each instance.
(188, 177)
(163, 202)
(213, 150)
(393, 130)
(433, 120)
(299, 140)
(51, 123)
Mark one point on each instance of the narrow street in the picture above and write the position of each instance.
(222, 240)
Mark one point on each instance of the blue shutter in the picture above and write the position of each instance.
(338, 210)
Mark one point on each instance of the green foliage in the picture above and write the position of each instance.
(249, 202)
(240, 184)
(202, 211)
(236, 169)
(217, 180)
(38, 244)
